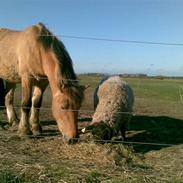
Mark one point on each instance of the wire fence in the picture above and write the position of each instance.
(68, 110)
(77, 80)
(115, 40)
(91, 112)
(57, 134)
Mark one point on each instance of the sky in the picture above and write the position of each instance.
(133, 20)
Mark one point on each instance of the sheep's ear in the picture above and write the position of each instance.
(88, 128)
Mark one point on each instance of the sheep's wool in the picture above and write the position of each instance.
(113, 100)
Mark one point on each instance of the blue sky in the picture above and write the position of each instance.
(140, 20)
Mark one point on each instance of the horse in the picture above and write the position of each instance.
(35, 57)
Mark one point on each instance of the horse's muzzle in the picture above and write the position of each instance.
(70, 140)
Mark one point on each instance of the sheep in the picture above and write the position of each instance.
(113, 104)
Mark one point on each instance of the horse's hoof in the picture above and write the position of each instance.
(24, 132)
(15, 123)
(4, 126)
(36, 130)
(13, 126)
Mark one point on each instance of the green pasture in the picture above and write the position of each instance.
(154, 89)
(157, 97)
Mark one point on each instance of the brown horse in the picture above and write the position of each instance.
(35, 58)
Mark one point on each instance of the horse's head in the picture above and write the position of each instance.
(65, 106)
(67, 93)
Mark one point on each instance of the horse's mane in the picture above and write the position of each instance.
(65, 74)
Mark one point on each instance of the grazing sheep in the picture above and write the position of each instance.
(113, 103)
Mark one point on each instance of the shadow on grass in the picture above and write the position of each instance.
(49, 129)
(48, 123)
(85, 119)
(159, 129)
(53, 131)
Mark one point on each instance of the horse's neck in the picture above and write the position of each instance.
(49, 67)
(53, 82)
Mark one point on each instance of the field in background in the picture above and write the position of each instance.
(152, 96)
(157, 121)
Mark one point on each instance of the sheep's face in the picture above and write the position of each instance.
(101, 131)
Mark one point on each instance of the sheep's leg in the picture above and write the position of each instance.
(123, 131)
(124, 125)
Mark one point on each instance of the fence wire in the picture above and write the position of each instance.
(57, 135)
(46, 135)
(114, 40)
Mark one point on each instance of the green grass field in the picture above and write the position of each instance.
(152, 96)
(156, 156)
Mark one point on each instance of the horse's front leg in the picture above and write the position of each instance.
(39, 88)
(24, 128)
(9, 95)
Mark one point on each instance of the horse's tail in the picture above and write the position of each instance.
(2, 93)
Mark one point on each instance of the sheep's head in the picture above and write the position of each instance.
(100, 131)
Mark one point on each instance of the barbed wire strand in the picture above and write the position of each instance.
(115, 40)
(79, 80)
(102, 141)
(51, 136)
(59, 135)
(67, 110)
(93, 81)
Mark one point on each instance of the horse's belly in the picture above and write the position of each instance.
(9, 74)
(9, 66)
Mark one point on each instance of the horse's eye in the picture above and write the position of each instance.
(65, 105)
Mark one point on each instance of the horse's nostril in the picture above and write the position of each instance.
(70, 140)
(73, 141)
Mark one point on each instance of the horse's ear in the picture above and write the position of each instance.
(62, 87)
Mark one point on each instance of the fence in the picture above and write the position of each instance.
(37, 155)
(89, 111)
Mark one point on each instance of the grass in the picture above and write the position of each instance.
(158, 119)
(152, 96)
(157, 89)
(167, 89)
(8, 177)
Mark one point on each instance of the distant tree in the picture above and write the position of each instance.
(160, 77)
